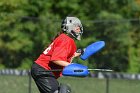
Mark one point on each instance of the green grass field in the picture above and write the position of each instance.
(20, 84)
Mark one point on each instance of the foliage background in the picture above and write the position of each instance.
(27, 27)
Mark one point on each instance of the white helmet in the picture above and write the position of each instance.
(69, 24)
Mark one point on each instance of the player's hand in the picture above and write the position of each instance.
(78, 52)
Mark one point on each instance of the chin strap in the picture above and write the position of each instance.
(77, 36)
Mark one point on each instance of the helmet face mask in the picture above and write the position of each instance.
(69, 26)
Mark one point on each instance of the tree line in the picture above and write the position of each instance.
(28, 26)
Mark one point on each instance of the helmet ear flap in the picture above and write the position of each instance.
(64, 25)
(64, 28)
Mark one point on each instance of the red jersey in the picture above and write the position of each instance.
(62, 48)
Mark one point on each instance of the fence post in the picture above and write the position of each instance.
(107, 85)
(30, 81)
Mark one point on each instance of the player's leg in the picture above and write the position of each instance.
(64, 88)
(44, 80)
(47, 84)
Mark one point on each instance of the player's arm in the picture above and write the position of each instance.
(61, 63)
(65, 63)
(77, 53)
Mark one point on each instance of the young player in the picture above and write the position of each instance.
(58, 55)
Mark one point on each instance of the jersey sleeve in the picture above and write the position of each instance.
(61, 51)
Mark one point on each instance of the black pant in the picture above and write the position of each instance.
(45, 81)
